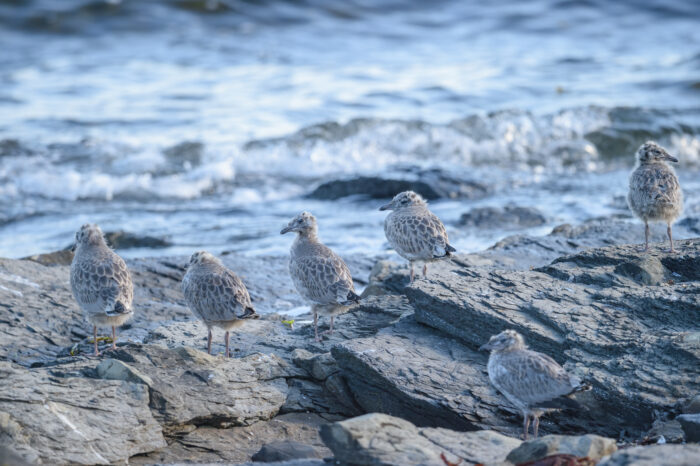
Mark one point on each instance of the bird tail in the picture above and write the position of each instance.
(118, 309)
(352, 298)
(249, 313)
(449, 249)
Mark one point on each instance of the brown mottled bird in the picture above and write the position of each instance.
(414, 232)
(100, 281)
(319, 274)
(655, 194)
(216, 295)
(532, 381)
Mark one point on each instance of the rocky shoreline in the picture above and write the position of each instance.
(626, 322)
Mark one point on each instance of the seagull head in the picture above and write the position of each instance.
(404, 199)
(651, 152)
(507, 340)
(304, 222)
(89, 233)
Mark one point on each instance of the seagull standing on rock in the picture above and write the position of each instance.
(216, 295)
(319, 274)
(414, 232)
(100, 281)
(655, 194)
(532, 381)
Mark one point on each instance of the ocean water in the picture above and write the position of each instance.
(207, 122)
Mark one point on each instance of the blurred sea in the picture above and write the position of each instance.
(206, 122)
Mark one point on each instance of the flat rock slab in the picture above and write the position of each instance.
(207, 444)
(188, 386)
(75, 420)
(379, 439)
(590, 446)
(655, 455)
(639, 345)
(419, 374)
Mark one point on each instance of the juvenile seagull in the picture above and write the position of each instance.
(655, 194)
(414, 231)
(100, 282)
(319, 274)
(215, 295)
(532, 381)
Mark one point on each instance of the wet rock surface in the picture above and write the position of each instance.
(593, 447)
(510, 216)
(377, 439)
(624, 321)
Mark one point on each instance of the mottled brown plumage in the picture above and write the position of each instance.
(533, 382)
(100, 282)
(654, 193)
(319, 274)
(215, 295)
(414, 232)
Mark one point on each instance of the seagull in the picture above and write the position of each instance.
(532, 381)
(319, 274)
(655, 194)
(215, 295)
(414, 232)
(100, 281)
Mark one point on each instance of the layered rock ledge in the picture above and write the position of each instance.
(626, 322)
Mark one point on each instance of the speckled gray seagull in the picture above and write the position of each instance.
(215, 295)
(532, 381)
(319, 274)
(100, 281)
(655, 194)
(414, 232)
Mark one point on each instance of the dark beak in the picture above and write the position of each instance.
(73, 247)
(285, 230)
(385, 206)
(670, 158)
(485, 347)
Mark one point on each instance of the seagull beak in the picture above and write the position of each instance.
(385, 206)
(485, 347)
(285, 230)
(73, 247)
(670, 158)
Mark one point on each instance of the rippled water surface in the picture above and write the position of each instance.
(207, 122)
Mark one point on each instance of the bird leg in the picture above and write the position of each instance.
(209, 343)
(425, 269)
(411, 280)
(318, 340)
(226, 336)
(526, 426)
(114, 338)
(94, 339)
(536, 426)
(330, 330)
(646, 236)
(670, 237)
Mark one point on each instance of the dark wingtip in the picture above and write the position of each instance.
(354, 297)
(450, 249)
(250, 314)
(119, 309)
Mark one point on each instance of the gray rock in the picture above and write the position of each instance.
(63, 257)
(510, 216)
(125, 240)
(655, 455)
(207, 444)
(669, 431)
(61, 420)
(691, 426)
(188, 386)
(284, 451)
(188, 152)
(637, 345)
(591, 446)
(379, 439)
(692, 406)
(429, 184)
